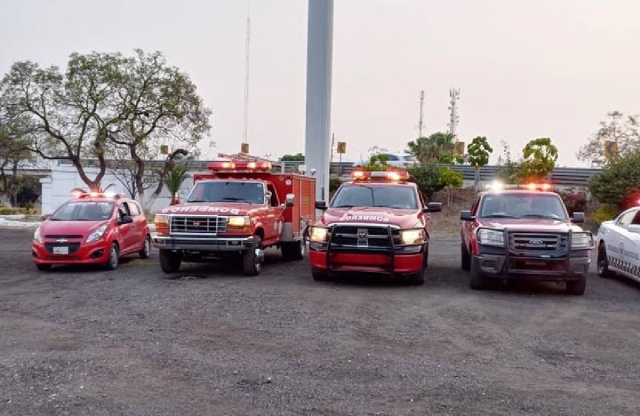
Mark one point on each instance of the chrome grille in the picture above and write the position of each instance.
(364, 236)
(198, 224)
(540, 242)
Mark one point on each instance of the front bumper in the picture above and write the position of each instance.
(201, 243)
(504, 266)
(79, 253)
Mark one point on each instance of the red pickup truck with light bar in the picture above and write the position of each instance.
(236, 211)
(524, 231)
(377, 223)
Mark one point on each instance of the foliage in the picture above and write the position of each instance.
(625, 130)
(334, 183)
(438, 147)
(377, 163)
(605, 213)
(509, 171)
(13, 152)
(539, 159)
(298, 157)
(451, 180)
(175, 177)
(574, 201)
(619, 182)
(427, 178)
(104, 100)
(479, 151)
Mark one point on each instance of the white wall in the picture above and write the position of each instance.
(56, 189)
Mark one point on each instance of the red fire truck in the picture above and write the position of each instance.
(236, 211)
(376, 223)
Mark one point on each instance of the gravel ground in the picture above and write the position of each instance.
(209, 341)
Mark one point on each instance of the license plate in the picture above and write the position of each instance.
(534, 263)
(61, 250)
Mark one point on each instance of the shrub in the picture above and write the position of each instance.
(605, 213)
(574, 201)
(334, 183)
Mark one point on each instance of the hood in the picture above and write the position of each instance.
(211, 208)
(405, 218)
(530, 225)
(83, 228)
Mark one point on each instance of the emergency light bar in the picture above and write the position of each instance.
(497, 186)
(380, 175)
(234, 166)
(94, 194)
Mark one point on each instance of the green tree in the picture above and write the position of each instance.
(175, 178)
(451, 180)
(377, 163)
(103, 99)
(13, 152)
(427, 178)
(438, 147)
(624, 130)
(509, 170)
(539, 159)
(479, 151)
(619, 182)
(298, 157)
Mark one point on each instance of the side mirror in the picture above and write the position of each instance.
(289, 200)
(577, 217)
(433, 207)
(321, 205)
(466, 216)
(126, 219)
(634, 228)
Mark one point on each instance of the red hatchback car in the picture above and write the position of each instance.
(92, 228)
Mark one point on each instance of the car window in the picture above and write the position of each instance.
(400, 197)
(410, 158)
(133, 208)
(625, 219)
(274, 195)
(123, 209)
(636, 219)
(227, 191)
(392, 157)
(474, 206)
(523, 206)
(84, 211)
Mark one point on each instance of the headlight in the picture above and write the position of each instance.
(490, 237)
(318, 234)
(97, 234)
(412, 236)
(582, 241)
(161, 219)
(36, 235)
(239, 221)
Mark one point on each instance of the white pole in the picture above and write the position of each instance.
(319, 65)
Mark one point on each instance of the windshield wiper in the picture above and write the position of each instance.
(233, 198)
(498, 216)
(196, 200)
(342, 206)
(550, 216)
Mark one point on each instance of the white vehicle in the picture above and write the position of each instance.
(399, 160)
(619, 245)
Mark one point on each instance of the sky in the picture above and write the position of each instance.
(525, 68)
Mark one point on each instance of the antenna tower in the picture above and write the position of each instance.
(420, 123)
(454, 94)
(246, 76)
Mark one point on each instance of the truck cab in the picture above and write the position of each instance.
(524, 231)
(236, 211)
(376, 223)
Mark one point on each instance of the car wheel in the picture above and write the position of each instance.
(43, 267)
(293, 251)
(170, 261)
(319, 275)
(425, 258)
(146, 250)
(466, 257)
(253, 258)
(577, 287)
(114, 257)
(476, 280)
(603, 263)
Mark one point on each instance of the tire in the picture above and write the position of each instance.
(319, 275)
(43, 267)
(114, 257)
(476, 280)
(417, 279)
(253, 258)
(577, 287)
(425, 258)
(294, 250)
(145, 253)
(170, 261)
(603, 263)
(466, 257)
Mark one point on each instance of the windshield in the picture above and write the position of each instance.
(523, 206)
(401, 197)
(84, 211)
(228, 191)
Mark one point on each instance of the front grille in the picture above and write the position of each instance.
(538, 242)
(364, 236)
(73, 247)
(197, 224)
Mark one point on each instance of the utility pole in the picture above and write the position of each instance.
(246, 76)
(454, 95)
(333, 143)
(420, 123)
